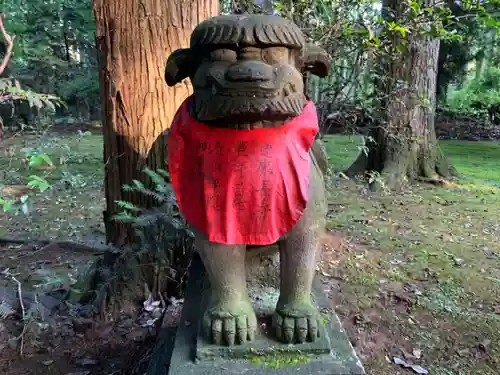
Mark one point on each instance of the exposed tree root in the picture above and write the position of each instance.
(400, 167)
(111, 282)
(118, 278)
(155, 267)
(126, 279)
(70, 245)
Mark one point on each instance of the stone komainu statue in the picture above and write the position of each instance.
(244, 166)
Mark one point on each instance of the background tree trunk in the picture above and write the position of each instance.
(405, 145)
(134, 39)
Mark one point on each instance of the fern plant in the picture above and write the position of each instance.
(164, 242)
(161, 230)
(6, 310)
(162, 194)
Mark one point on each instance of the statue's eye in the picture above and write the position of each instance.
(276, 55)
(223, 54)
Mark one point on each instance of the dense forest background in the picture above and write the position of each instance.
(54, 54)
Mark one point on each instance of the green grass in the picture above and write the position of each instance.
(477, 160)
(444, 242)
(76, 193)
(342, 150)
(76, 155)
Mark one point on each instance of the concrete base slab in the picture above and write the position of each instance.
(189, 353)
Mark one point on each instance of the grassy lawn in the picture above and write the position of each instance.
(420, 271)
(75, 200)
(417, 274)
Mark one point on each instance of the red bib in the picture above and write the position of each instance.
(241, 186)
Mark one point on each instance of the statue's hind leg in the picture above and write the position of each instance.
(229, 318)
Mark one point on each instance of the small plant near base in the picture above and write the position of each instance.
(161, 230)
(155, 266)
(16, 198)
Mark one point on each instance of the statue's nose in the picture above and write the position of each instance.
(249, 71)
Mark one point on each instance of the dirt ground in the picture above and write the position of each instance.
(414, 277)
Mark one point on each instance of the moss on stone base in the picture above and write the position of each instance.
(278, 359)
(325, 318)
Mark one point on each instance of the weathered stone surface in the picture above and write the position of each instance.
(247, 74)
(187, 353)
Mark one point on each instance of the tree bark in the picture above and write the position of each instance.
(404, 146)
(134, 39)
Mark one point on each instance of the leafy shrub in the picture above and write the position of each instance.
(479, 96)
(16, 103)
(17, 198)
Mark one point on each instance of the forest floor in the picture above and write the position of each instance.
(414, 276)
(419, 274)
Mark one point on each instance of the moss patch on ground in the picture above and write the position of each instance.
(421, 273)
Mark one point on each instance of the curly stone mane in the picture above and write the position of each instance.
(247, 29)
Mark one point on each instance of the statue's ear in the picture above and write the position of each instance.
(180, 65)
(316, 60)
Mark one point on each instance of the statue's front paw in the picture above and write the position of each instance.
(230, 322)
(296, 322)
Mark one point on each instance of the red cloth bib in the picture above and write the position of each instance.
(241, 186)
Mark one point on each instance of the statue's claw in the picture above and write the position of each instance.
(230, 323)
(296, 322)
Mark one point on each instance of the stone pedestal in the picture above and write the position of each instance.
(190, 353)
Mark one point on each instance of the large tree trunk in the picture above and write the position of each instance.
(405, 147)
(134, 39)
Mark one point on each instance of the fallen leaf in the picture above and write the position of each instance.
(87, 362)
(419, 369)
(417, 353)
(150, 304)
(16, 191)
(483, 345)
(401, 362)
(149, 323)
(458, 262)
(106, 330)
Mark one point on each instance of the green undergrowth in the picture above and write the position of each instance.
(73, 156)
(427, 261)
(72, 168)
